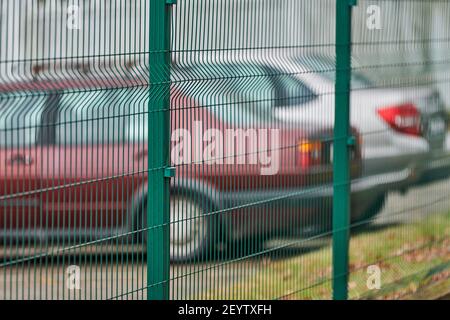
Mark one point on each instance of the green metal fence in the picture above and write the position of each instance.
(215, 149)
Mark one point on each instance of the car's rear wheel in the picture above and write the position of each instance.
(190, 230)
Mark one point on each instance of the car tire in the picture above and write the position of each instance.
(191, 231)
(373, 210)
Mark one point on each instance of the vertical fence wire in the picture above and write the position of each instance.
(343, 141)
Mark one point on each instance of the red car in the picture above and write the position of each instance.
(73, 163)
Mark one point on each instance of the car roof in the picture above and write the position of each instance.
(128, 78)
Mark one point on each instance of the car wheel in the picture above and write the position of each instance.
(190, 230)
(374, 209)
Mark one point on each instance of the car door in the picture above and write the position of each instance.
(20, 165)
(94, 163)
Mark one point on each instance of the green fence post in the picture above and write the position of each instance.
(158, 152)
(341, 165)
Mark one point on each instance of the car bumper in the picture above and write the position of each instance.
(299, 211)
(437, 167)
(397, 158)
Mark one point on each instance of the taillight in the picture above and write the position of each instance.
(404, 118)
(309, 153)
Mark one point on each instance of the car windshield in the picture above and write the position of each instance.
(327, 69)
(289, 91)
(247, 88)
(232, 92)
(19, 119)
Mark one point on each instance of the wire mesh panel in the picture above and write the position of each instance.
(157, 149)
(73, 141)
(252, 143)
(400, 102)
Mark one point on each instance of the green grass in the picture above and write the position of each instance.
(411, 257)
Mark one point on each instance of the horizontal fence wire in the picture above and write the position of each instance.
(185, 151)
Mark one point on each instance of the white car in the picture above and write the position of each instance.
(402, 128)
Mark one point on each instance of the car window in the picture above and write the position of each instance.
(289, 91)
(253, 90)
(102, 116)
(20, 120)
(228, 88)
